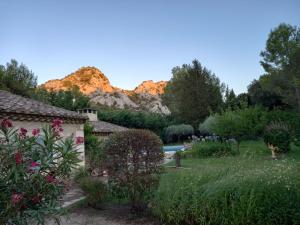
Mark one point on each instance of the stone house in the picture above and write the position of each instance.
(101, 129)
(30, 114)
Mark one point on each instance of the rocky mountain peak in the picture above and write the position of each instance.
(151, 87)
(88, 79)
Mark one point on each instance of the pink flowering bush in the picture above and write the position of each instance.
(32, 169)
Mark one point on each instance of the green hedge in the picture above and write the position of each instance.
(209, 149)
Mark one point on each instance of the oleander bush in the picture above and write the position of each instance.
(133, 160)
(278, 137)
(32, 170)
(209, 149)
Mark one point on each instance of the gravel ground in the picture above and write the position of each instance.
(117, 215)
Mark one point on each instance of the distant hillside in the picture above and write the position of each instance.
(92, 82)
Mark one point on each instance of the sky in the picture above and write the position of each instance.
(135, 40)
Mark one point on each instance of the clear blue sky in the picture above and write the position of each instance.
(132, 41)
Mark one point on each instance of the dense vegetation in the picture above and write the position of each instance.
(245, 189)
(133, 159)
(17, 78)
(33, 170)
(192, 93)
(137, 120)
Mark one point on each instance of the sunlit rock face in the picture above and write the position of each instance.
(150, 87)
(88, 79)
(92, 82)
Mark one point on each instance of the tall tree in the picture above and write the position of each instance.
(17, 78)
(280, 85)
(282, 44)
(193, 93)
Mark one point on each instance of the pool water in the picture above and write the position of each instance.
(173, 148)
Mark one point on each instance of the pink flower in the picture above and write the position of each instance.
(18, 158)
(16, 199)
(36, 132)
(56, 122)
(50, 179)
(56, 126)
(36, 199)
(6, 123)
(79, 140)
(22, 132)
(34, 164)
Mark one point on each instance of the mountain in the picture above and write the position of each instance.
(92, 82)
(88, 79)
(150, 87)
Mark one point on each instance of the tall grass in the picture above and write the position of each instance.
(248, 189)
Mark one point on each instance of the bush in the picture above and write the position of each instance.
(32, 171)
(93, 148)
(95, 190)
(81, 172)
(175, 133)
(209, 149)
(235, 194)
(278, 138)
(241, 124)
(133, 159)
(205, 128)
(291, 119)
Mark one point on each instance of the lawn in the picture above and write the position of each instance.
(250, 188)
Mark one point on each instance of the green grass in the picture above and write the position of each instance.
(250, 188)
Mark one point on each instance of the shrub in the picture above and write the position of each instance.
(32, 171)
(278, 138)
(234, 194)
(240, 124)
(81, 172)
(178, 132)
(209, 149)
(95, 190)
(93, 148)
(133, 158)
(205, 128)
(292, 119)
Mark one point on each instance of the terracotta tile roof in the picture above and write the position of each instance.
(105, 127)
(27, 108)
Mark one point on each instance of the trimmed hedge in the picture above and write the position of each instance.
(209, 149)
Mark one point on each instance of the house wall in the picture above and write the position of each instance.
(69, 129)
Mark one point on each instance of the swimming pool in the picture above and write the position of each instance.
(173, 148)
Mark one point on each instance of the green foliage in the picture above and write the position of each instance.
(278, 135)
(232, 190)
(133, 160)
(32, 171)
(209, 149)
(292, 119)
(205, 128)
(282, 43)
(93, 148)
(175, 133)
(71, 99)
(138, 120)
(95, 190)
(193, 93)
(241, 124)
(280, 86)
(80, 173)
(17, 79)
